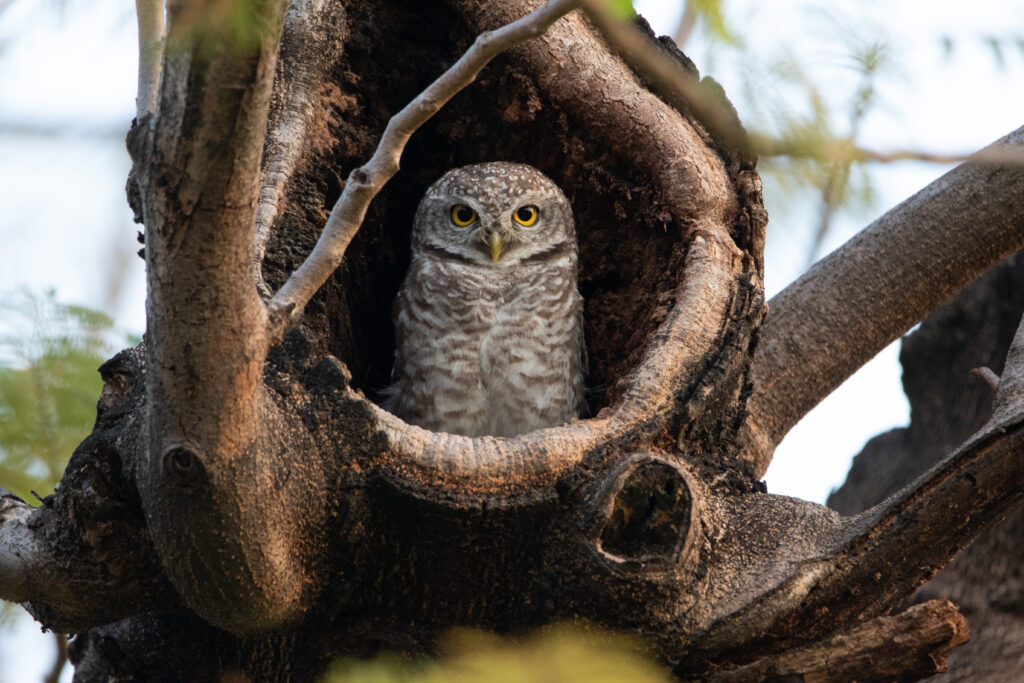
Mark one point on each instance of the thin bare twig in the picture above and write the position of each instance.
(846, 153)
(991, 378)
(674, 82)
(151, 51)
(366, 181)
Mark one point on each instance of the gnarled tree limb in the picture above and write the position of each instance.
(855, 301)
(809, 596)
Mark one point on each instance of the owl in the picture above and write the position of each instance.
(489, 323)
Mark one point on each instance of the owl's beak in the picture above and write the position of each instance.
(496, 246)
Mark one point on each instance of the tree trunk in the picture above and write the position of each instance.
(243, 508)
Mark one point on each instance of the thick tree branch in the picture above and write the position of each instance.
(809, 572)
(21, 551)
(937, 516)
(150, 14)
(365, 182)
(70, 588)
(198, 165)
(216, 437)
(861, 297)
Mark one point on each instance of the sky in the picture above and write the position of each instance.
(65, 224)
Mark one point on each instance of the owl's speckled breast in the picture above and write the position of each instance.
(488, 344)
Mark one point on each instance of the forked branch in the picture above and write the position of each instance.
(937, 516)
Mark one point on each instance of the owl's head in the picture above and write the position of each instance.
(496, 214)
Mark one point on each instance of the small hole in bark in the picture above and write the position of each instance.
(183, 467)
(650, 514)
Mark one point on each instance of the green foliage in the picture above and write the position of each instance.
(709, 12)
(805, 116)
(622, 9)
(563, 653)
(49, 353)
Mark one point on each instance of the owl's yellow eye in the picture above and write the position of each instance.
(462, 215)
(526, 215)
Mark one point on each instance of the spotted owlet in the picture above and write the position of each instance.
(489, 321)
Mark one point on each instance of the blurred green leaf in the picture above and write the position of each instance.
(622, 9)
(563, 653)
(710, 13)
(214, 25)
(49, 353)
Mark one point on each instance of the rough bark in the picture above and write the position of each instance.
(911, 644)
(276, 517)
(973, 330)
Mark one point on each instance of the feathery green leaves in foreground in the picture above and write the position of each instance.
(49, 353)
(562, 654)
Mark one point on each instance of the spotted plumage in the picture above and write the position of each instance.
(488, 320)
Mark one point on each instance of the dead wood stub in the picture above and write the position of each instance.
(906, 647)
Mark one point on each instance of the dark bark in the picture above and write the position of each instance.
(971, 331)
